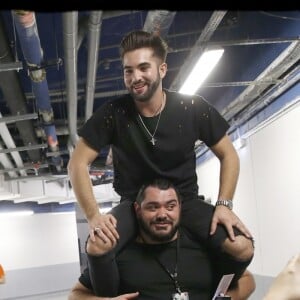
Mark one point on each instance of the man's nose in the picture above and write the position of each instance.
(161, 214)
(137, 75)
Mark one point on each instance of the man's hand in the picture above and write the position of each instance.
(104, 225)
(126, 296)
(79, 291)
(225, 216)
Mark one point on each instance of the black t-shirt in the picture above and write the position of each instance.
(183, 121)
(140, 271)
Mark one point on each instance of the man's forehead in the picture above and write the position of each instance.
(156, 194)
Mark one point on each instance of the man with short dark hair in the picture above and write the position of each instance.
(163, 262)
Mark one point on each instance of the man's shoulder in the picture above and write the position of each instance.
(184, 98)
(117, 104)
(187, 241)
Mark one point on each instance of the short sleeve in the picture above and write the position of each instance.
(211, 125)
(98, 130)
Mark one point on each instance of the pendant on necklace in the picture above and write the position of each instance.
(152, 141)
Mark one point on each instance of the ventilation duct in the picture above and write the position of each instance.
(70, 37)
(15, 99)
(159, 21)
(26, 28)
(94, 27)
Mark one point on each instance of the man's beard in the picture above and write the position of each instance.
(154, 236)
(152, 87)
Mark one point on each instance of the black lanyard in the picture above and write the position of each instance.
(174, 275)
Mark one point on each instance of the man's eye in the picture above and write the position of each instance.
(144, 69)
(170, 207)
(151, 207)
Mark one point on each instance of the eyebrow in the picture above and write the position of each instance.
(167, 203)
(144, 64)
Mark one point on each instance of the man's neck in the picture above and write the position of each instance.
(154, 106)
(144, 239)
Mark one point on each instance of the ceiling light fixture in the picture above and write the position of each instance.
(206, 63)
(17, 213)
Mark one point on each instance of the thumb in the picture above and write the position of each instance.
(213, 227)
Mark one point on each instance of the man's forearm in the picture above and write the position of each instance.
(106, 282)
(82, 186)
(229, 172)
(229, 167)
(84, 295)
(80, 292)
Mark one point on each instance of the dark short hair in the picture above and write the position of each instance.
(143, 39)
(160, 183)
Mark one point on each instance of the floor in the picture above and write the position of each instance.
(52, 296)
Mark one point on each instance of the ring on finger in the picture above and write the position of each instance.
(97, 229)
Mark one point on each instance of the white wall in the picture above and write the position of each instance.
(39, 254)
(38, 240)
(267, 198)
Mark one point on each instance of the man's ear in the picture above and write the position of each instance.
(137, 208)
(163, 70)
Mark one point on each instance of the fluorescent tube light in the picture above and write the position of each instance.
(17, 213)
(203, 67)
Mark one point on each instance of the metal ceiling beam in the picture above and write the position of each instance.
(11, 66)
(249, 42)
(9, 142)
(198, 48)
(32, 167)
(7, 164)
(257, 105)
(289, 57)
(25, 148)
(18, 118)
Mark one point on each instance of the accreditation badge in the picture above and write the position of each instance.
(180, 296)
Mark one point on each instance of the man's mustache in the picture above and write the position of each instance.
(162, 222)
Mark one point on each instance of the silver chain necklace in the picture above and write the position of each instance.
(153, 140)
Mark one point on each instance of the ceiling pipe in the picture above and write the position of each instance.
(70, 31)
(159, 21)
(275, 70)
(27, 30)
(94, 30)
(15, 99)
